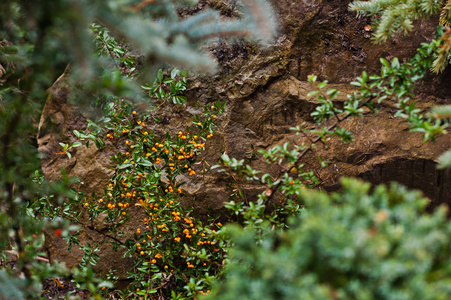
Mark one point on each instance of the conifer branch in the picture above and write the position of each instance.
(444, 52)
(395, 15)
(441, 112)
(445, 15)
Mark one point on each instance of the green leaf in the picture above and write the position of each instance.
(364, 76)
(144, 292)
(145, 162)
(174, 73)
(312, 78)
(313, 93)
(322, 84)
(385, 62)
(225, 158)
(77, 133)
(102, 143)
(97, 143)
(395, 63)
(333, 93)
(124, 166)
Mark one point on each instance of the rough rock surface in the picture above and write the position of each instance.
(266, 92)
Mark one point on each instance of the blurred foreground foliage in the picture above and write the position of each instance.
(351, 245)
(38, 40)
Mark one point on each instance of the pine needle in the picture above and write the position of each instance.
(444, 52)
(441, 112)
(262, 17)
(444, 160)
(445, 15)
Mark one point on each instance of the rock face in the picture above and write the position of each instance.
(266, 94)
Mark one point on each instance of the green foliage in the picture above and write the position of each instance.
(443, 112)
(444, 53)
(392, 16)
(445, 15)
(352, 245)
(268, 262)
(153, 29)
(395, 15)
(38, 40)
(11, 287)
(108, 45)
(396, 82)
(170, 88)
(283, 189)
(175, 255)
(444, 160)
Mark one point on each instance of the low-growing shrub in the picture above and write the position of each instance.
(352, 245)
(175, 255)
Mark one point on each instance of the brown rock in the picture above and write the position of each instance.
(266, 92)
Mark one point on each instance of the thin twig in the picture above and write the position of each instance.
(305, 151)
